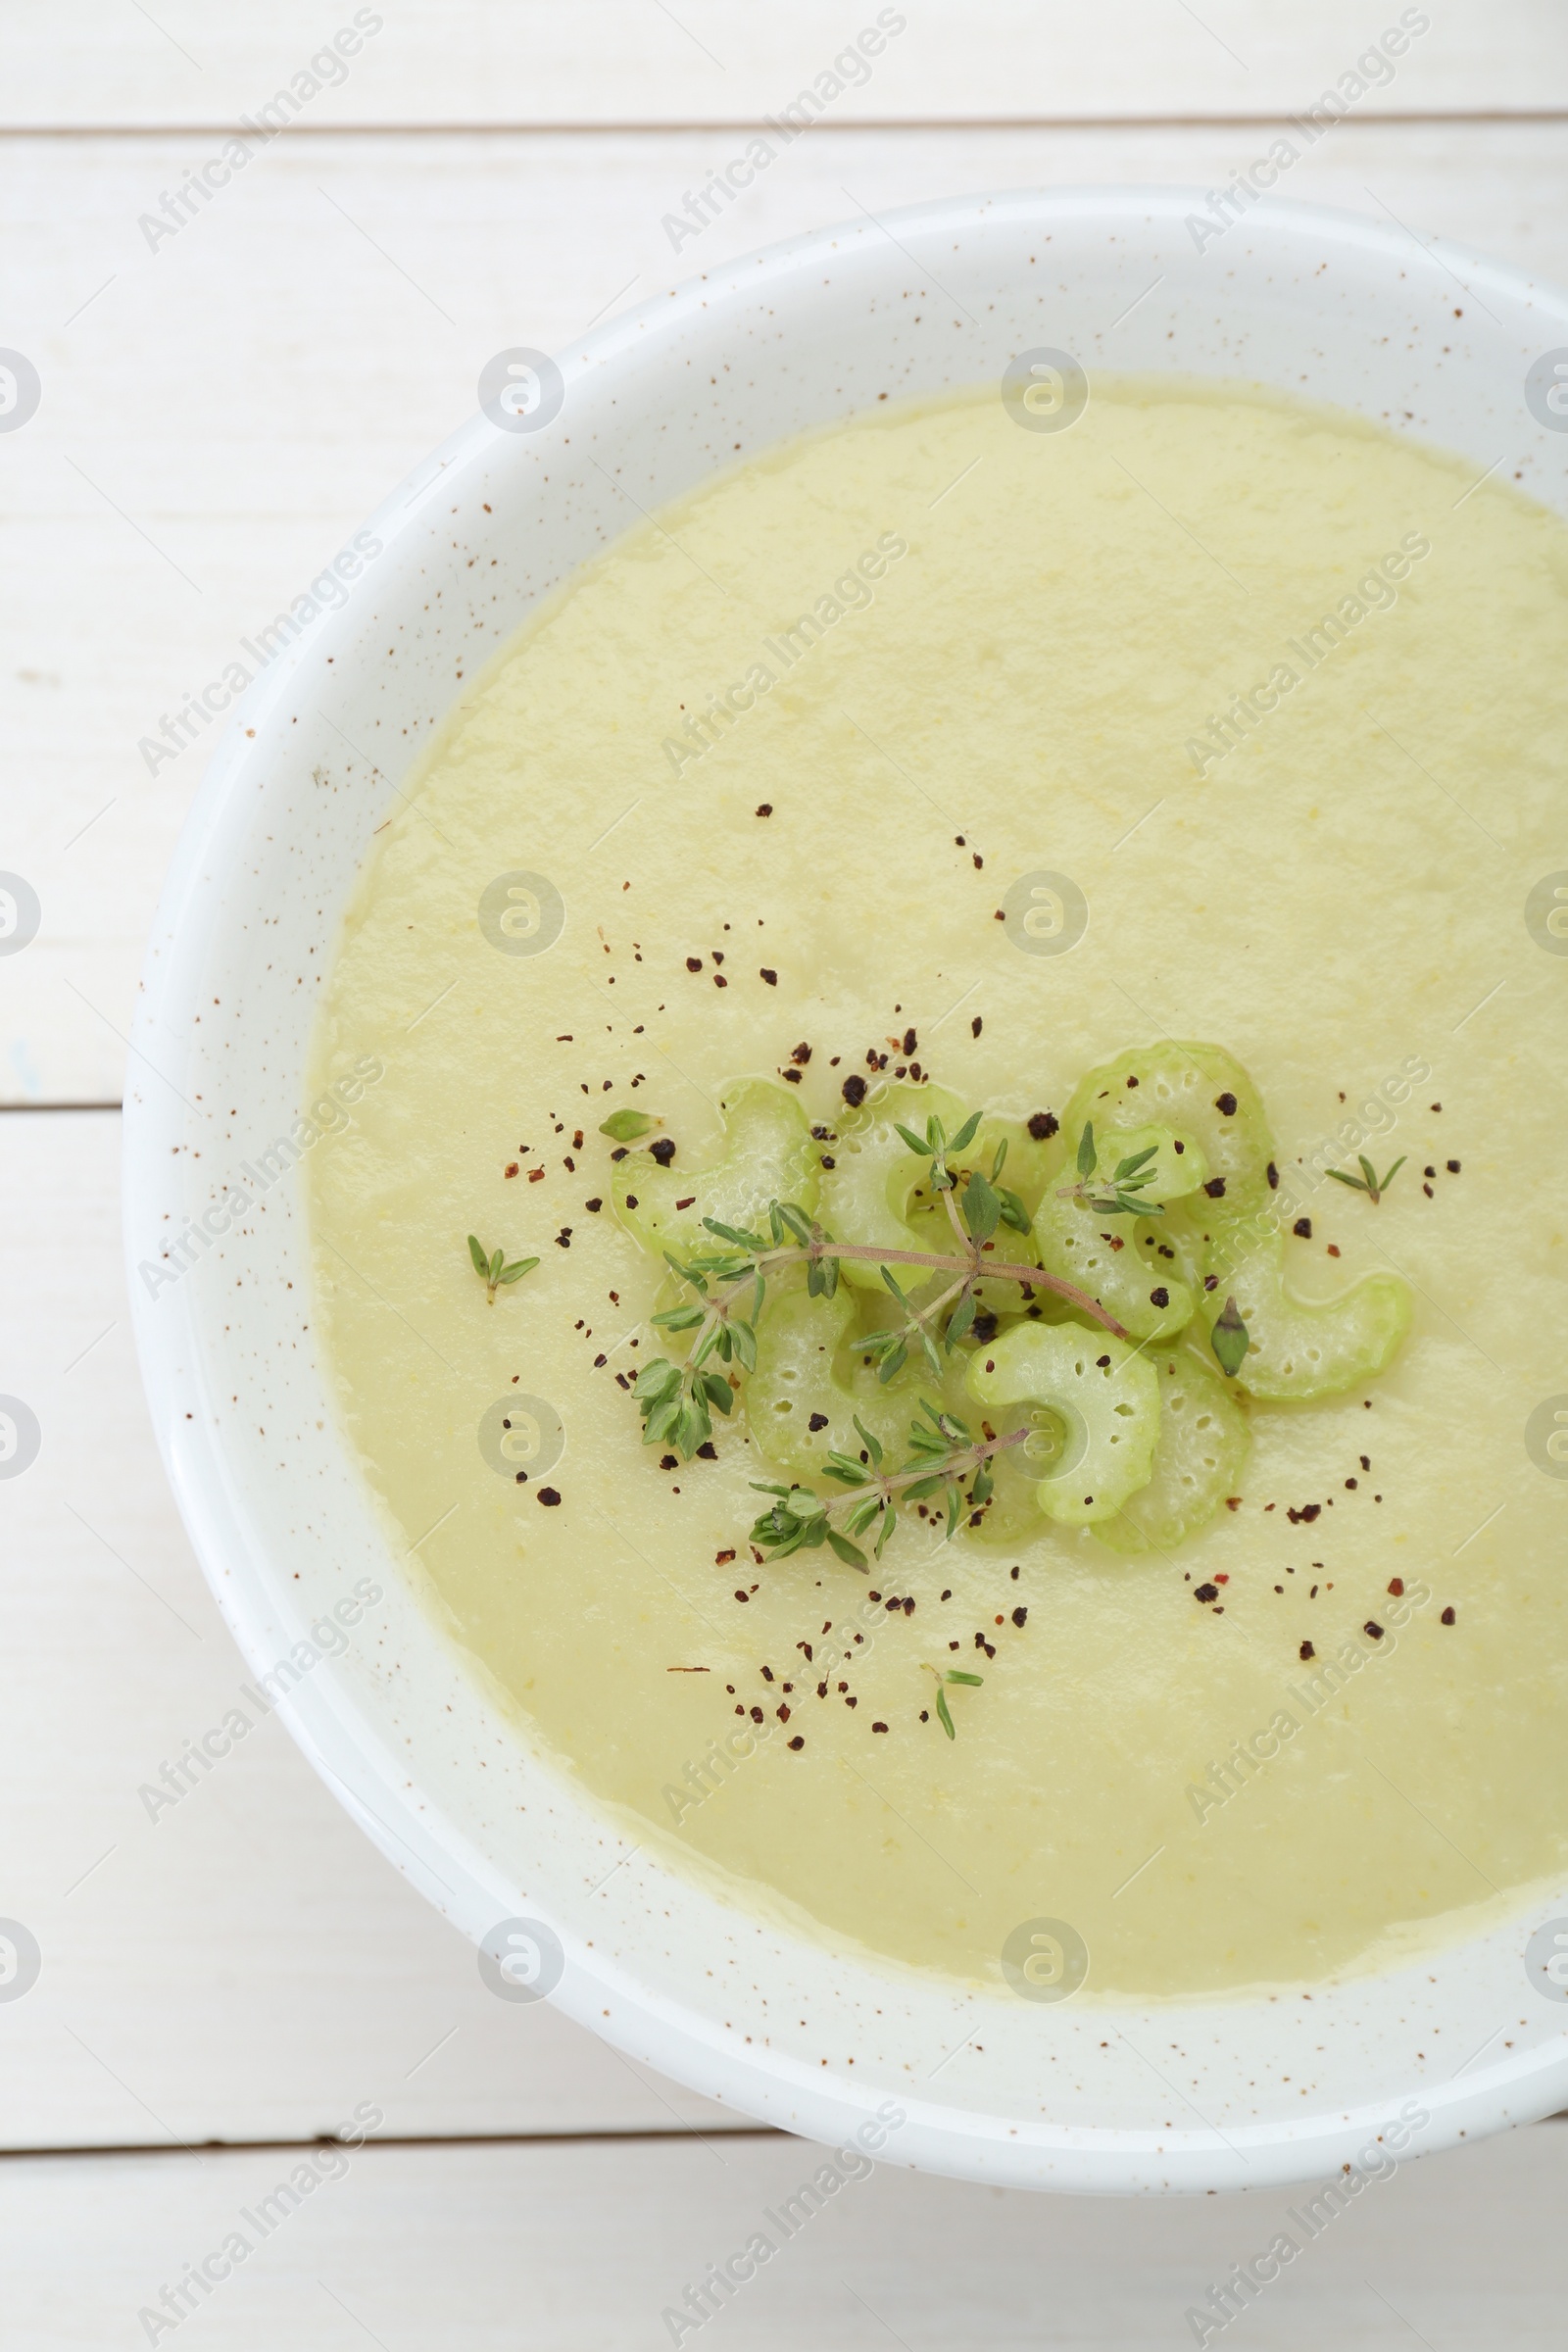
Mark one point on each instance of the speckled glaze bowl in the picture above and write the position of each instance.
(1073, 2094)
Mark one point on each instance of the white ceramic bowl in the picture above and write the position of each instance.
(1431, 341)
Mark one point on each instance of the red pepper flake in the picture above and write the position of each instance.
(512, 1170)
(1233, 1502)
(721, 1558)
(1223, 1579)
(1396, 1585)
(686, 1204)
(1333, 1249)
(1447, 1617)
(535, 1175)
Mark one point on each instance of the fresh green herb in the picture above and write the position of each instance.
(625, 1126)
(1229, 1339)
(493, 1271)
(951, 1674)
(1126, 1182)
(723, 1317)
(936, 1145)
(943, 1454)
(1369, 1182)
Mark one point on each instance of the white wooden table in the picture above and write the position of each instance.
(220, 405)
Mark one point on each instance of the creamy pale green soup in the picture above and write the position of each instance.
(1248, 722)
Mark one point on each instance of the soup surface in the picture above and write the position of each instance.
(1247, 722)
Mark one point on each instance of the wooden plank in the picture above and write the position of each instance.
(225, 411)
(703, 61)
(583, 2248)
(241, 1964)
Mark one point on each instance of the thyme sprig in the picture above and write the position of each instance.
(951, 1674)
(944, 1454)
(1370, 1181)
(730, 1284)
(493, 1270)
(1125, 1181)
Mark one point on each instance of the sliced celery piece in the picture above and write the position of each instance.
(1297, 1350)
(768, 1155)
(1106, 1396)
(1199, 1458)
(806, 1370)
(1183, 1085)
(1116, 1258)
(870, 1194)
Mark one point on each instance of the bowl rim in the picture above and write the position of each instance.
(326, 1718)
